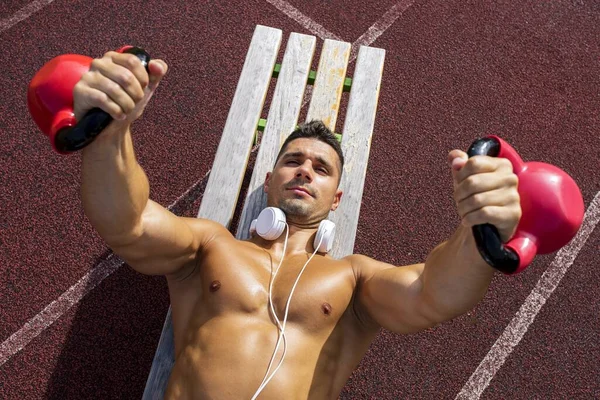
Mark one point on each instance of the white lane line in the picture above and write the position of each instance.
(370, 36)
(35, 326)
(379, 27)
(516, 329)
(53, 311)
(23, 13)
(303, 20)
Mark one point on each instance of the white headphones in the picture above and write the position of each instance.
(270, 224)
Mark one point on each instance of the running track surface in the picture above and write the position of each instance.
(455, 70)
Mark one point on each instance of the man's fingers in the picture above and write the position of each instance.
(484, 182)
(118, 84)
(99, 99)
(456, 160)
(504, 218)
(485, 191)
(454, 154)
(114, 93)
(132, 63)
(493, 198)
(158, 69)
(482, 164)
(122, 75)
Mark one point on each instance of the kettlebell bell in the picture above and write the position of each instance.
(50, 101)
(552, 210)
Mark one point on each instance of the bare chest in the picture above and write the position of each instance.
(248, 283)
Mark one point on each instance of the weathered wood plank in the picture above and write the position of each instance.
(356, 144)
(219, 200)
(327, 90)
(231, 159)
(282, 120)
(164, 358)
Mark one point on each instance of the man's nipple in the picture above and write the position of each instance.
(214, 286)
(326, 308)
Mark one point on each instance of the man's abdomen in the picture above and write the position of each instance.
(227, 358)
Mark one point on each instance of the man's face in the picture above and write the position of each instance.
(304, 182)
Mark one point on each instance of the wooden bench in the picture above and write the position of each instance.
(231, 160)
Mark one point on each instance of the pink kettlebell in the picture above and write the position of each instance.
(552, 211)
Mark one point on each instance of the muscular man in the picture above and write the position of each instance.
(224, 331)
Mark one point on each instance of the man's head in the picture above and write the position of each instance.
(307, 172)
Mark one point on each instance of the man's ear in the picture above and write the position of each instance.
(267, 179)
(336, 200)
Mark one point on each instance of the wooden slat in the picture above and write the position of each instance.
(219, 199)
(327, 91)
(282, 120)
(356, 144)
(231, 159)
(164, 358)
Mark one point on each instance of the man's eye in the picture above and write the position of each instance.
(322, 170)
(293, 162)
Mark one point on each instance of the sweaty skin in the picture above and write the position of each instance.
(223, 330)
(225, 336)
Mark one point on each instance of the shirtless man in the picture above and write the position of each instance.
(224, 332)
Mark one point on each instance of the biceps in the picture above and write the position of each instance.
(393, 298)
(165, 242)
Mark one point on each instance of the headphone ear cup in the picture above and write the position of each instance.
(270, 223)
(325, 235)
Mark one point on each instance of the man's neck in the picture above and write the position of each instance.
(300, 240)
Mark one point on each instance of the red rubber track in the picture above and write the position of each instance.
(455, 70)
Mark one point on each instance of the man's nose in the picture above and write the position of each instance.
(304, 171)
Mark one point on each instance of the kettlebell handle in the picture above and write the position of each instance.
(487, 237)
(74, 138)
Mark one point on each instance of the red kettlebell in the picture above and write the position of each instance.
(552, 211)
(50, 101)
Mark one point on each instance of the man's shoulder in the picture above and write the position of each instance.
(357, 258)
(359, 261)
(204, 224)
(365, 267)
(207, 231)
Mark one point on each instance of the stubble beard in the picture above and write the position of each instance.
(296, 208)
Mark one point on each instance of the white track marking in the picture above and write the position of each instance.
(57, 308)
(379, 27)
(497, 355)
(53, 311)
(23, 14)
(516, 329)
(302, 19)
(367, 38)
(68, 299)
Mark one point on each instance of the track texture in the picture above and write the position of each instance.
(455, 70)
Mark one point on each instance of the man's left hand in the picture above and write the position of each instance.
(485, 191)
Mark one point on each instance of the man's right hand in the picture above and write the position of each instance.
(118, 84)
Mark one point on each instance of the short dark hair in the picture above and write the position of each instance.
(315, 129)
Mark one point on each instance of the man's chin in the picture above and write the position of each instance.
(295, 207)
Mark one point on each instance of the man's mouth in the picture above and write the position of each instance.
(300, 190)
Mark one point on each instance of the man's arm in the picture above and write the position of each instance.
(115, 195)
(411, 298)
(115, 190)
(454, 278)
